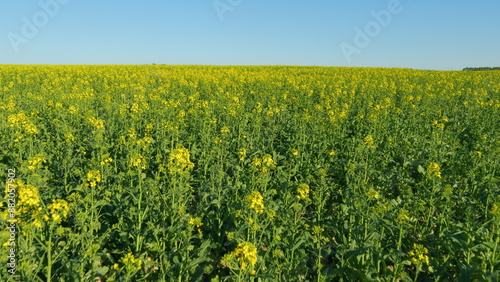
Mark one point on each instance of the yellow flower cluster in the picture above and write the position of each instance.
(8, 106)
(495, 210)
(245, 253)
(58, 210)
(434, 169)
(372, 194)
(196, 222)
(257, 162)
(138, 161)
(256, 202)
(69, 137)
(273, 111)
(144, 142)
(180, 162)
(419, 255)
(131, 261)
(267, 160)
(28, 197)
(242, 153)
(438, 125)
(73, 109)
(403, 216)
(94, 177)
(132, 133)
(21, 121)
(369, 142)
(303, 190)
(28, 201)
(36, 162)
(97, 123)
(29, 206)
(225, 130)
(107, 161)
(317, 230)
(264, 164)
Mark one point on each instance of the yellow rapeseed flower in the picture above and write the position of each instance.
(419, 255)
(28, 197)
(495, 210)
(256, 202)
(21, 121)
(403, 216)
(372, 193)
(195, 221)
(303, 190)
(58, 210)
(69, 137)
(242, 153)
(94, 177)
(369, 142)
(138, 161)
(225, 130)
(267, 160)
(106, 161)
(97, 123)
(73, 109)
(36, 162)
(257, 162)
(28, 201)
(246, 254)
(179, 161)
(131, 262)
(434, 169)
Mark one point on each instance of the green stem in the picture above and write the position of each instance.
(494, 253)
(400, 238)
(318, 262)
(49, 256)
(139, 209)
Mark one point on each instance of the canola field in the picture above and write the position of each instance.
(249, 173)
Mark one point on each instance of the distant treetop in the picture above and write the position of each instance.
(481, 69)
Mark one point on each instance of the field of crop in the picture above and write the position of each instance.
(199, 173)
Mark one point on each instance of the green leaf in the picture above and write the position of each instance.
(421, 169)
(102, 270)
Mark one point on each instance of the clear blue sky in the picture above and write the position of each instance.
(422, 34)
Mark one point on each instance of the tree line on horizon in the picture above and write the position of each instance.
(481, 69)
